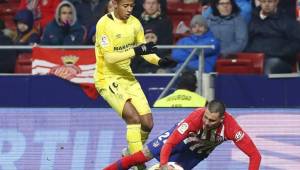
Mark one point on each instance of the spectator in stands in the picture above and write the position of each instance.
(161, 25)
(185, 95)
(276, 35)
(26, 33)
(7, 57)
(43, 10)
(64, 29)
(90, 11)
(91, 38)
(244, 5)
(228, 26)
(138, 8)
(288, 7)
(200, 35)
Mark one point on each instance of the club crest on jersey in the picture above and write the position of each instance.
(182, 128)
(239, 135)
(104, 41)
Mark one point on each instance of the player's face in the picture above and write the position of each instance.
(211, 120)
(124, 9)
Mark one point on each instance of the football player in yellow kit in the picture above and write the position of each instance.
(120, 37)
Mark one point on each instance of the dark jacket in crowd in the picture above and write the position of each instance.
(138, 8)
(162, 27)
(7, 57)
(244, 5)
(30, 36)
(57, 34)
(88, 15)
(277, 36)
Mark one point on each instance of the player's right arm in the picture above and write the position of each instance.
(104, 44)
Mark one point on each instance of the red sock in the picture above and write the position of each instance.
(128, 161)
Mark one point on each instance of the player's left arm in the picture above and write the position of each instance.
(243, 141)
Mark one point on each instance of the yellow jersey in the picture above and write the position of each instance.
(114, 44)
(181, 98)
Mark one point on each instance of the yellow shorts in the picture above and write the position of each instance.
(117, 91)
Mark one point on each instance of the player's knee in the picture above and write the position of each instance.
(147, 126)
(131, 116)
(147, 122)
(133, 119)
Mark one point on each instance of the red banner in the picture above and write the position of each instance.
(77, 66)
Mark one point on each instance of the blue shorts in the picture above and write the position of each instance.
(181, 154)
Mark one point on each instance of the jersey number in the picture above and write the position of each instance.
(164, 137)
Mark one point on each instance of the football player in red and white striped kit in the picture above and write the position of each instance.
(193, 139)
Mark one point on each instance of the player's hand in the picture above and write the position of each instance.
(144, 49)
(165, 62)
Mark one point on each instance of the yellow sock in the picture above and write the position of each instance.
(144, 136)
(134, 138)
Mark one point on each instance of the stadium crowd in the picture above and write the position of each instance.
(233, 26)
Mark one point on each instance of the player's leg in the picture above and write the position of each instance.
(140, 102)
(133, 134)
(147, 125)
(117, 96)
(131, 160)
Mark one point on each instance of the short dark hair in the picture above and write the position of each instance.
(216, 106)
(215, 11)
(187, 81)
